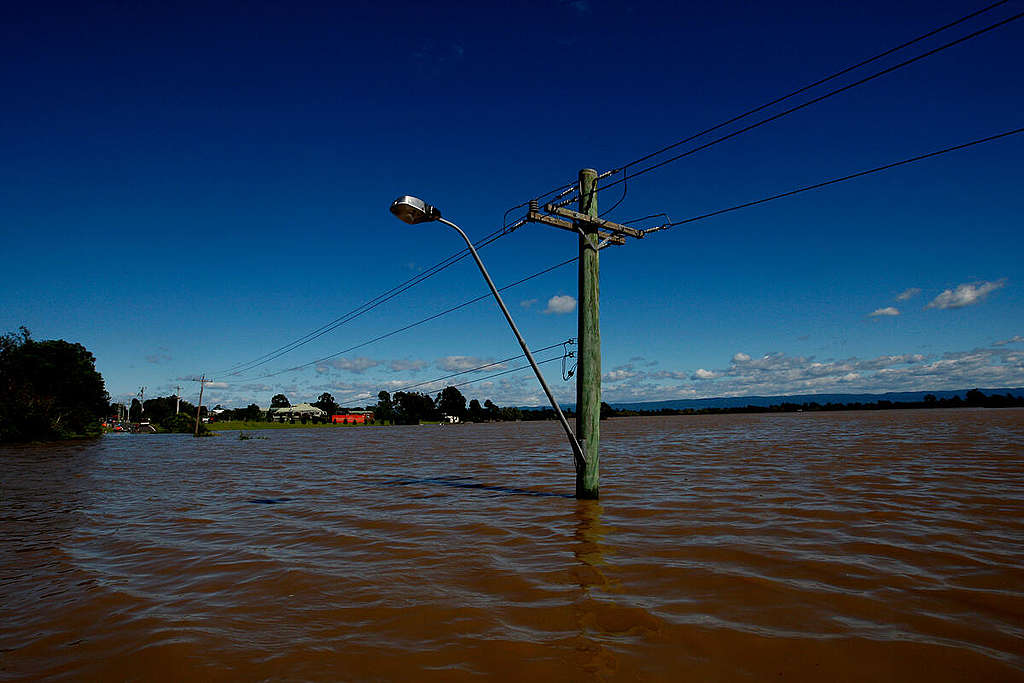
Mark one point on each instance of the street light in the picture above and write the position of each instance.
(413, 210)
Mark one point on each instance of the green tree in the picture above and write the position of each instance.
(182, 423)
(412, 407)
(48, 389)
(493, 411)
(327, 404)
(451, 402)
(510, 414)
(385, 409)
(975, 398)
(280, 401)
(160, 408)
(475, 412)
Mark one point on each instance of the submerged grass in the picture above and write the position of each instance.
(239, 424)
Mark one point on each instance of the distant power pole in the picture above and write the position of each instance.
(595, 233)
(177, 406)
(202, 385)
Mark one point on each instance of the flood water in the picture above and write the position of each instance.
(802, 547)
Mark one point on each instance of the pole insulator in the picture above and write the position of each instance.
(534, 206)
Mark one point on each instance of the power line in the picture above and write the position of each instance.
(417, 323)
(504, 372)
(451, 260)
(625, 188)
(363, 308)
(465, 372)
(820, 98)
(809, 86)
(240, 368)
(815, 186)
(478, 368)
(826, 79)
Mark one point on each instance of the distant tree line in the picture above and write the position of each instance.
(973, 399)
(411, 407)
(251, 413)
(161, 413)
(414, 407)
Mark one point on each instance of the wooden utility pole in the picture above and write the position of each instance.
(202, 385)
(594, 233)
(588, 374)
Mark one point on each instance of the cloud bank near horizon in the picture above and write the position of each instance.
(744, 374)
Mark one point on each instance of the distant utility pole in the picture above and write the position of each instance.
(594, 234)
(142, 401)
(202, 385)
(177, 406)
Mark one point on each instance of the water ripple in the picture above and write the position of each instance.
(843, 546)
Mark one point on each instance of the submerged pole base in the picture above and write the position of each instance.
(588, 481)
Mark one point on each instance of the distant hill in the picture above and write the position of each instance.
(765, 401)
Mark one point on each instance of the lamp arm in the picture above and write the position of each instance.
(579, 457)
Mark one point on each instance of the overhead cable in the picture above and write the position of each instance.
(815, 100)
(809, 86)
(565, 189)
(366, 307)
(851, 176)
(466, 372)
(417, 323)
(505, 372)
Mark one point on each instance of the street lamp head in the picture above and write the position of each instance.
(413, 210)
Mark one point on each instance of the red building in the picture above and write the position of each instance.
(352, 418)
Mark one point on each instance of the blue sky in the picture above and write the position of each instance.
(186, 188)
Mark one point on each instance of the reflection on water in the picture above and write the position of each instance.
(588, 573)
(853, 546)
(468, 483)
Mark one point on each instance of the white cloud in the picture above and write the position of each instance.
(888, 310)
(405, 365)
(1016, 339)
(250, 389)
(886, 361)
(561, 303)
(967, 294)
(740, 358)
(908, 294)
(463, 363)
(777, 374)
(670, 374)
(356, 365)
(527, 303)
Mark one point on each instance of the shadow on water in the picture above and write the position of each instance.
(468, 483)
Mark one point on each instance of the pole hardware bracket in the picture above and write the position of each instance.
(599, 223)
(536, 217)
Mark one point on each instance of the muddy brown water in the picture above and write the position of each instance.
(807, 547)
